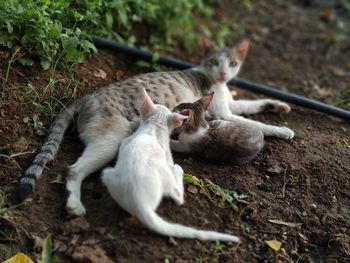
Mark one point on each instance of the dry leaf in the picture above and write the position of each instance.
(173, 242)
(19, 258)
(119, 75)
(328, 15)
(100, 73)
(280, 222)
(58, 180)
(305, 239)
(233, 93)
(192, 189)
(274, 244)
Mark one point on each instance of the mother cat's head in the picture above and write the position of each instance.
(224, 64)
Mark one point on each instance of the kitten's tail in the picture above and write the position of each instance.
(154, 222)
(47, 152)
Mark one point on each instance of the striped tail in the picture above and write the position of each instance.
(46, 153)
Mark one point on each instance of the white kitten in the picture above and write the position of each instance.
(145, 172)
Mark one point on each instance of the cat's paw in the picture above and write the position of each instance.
(285, 133)
(277, 106)
(178, 170)
(74, 207)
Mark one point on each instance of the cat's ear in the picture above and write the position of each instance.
(205, 101)
(242, 49)
(188, 113)
(147, 104)
(178, 119)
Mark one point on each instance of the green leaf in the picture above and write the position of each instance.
(26, 61)
(109, 21)
(9, 27)
(46, 254)
(45, 64)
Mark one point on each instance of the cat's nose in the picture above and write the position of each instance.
(222, 73)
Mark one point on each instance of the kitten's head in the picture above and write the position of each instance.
(159, 114)
(195, 112)
(224, 64)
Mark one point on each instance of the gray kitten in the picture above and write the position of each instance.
(104, 118)
(220, 140)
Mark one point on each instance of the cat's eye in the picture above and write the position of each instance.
(233, 64)
(213, 62)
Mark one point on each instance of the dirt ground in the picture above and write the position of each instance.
(300, 48)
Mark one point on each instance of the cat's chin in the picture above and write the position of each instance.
(221, 81)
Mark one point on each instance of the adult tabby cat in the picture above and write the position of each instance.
(230, 141)
(104, 117)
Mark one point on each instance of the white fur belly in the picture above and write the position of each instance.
(188, 139)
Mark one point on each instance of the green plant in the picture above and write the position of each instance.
(3, 208)
(217, 247)
(46, 254)
(61, 30)
(8, 68)
(188, 161)
(222, 197)
(245, 229)
(293, 180)
(50, 100)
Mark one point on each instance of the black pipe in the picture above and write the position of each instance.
(245, 84)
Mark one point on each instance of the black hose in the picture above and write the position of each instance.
(245, 84)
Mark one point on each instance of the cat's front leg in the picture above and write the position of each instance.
(268, 130)
(179, 146)
(255, 106)
(178, 174)
(173, 187)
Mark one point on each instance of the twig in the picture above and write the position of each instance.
(15, 154)
(284, 183)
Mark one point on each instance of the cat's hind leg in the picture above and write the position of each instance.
(98, 152)
(255, 106)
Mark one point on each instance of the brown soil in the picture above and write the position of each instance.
(305, 180)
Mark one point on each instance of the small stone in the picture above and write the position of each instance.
(101, 230)
(192, 189)
(304, 214)
(75, 226)
(90, 255)
(314, 206)
(276, 169)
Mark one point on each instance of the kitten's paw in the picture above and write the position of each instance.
(277, 106)
(285, 133)
(74, 207)
(178, 170)
(179, 201)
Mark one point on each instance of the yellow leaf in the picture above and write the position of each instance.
(274, 244)
(19, 258)
(233, 93)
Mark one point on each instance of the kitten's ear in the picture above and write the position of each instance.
(205, 101)
(188, 113)
(242, 49)
(178, 119)
(147, 104)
